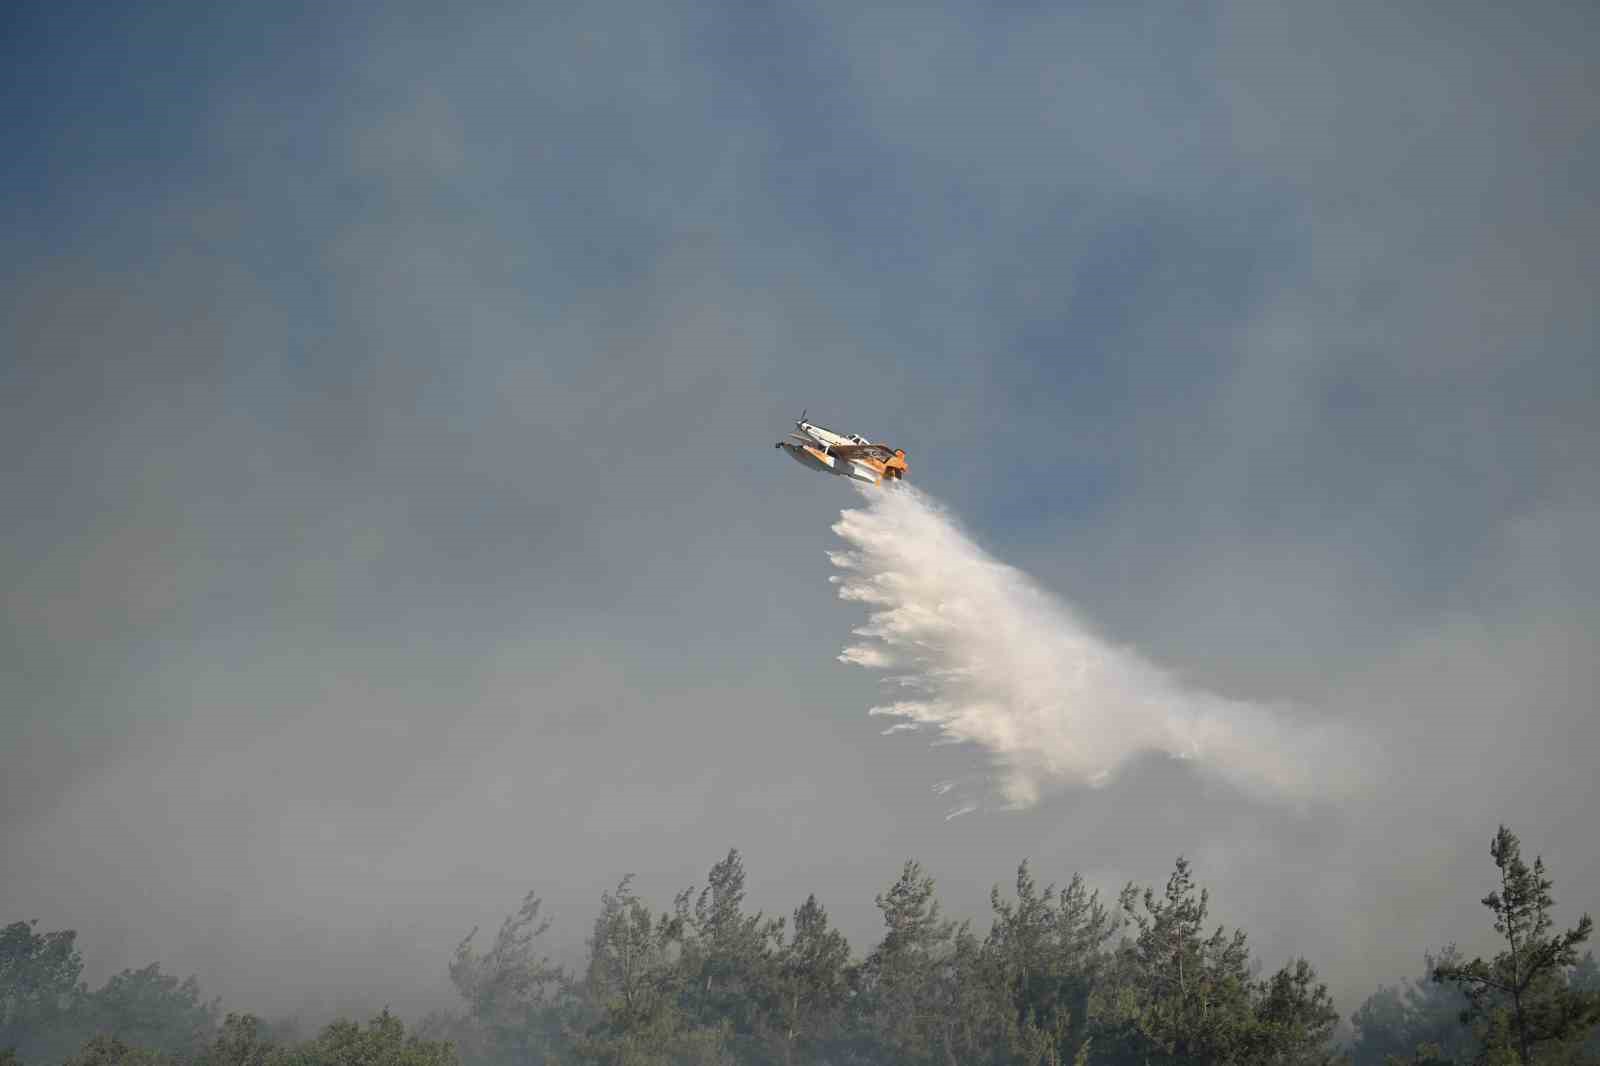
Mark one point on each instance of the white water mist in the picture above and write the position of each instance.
(976, 652)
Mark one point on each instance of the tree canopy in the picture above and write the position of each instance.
(1058, 977)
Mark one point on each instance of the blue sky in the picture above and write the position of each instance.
(393, 523)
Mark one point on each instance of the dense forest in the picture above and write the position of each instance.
(1061, 976)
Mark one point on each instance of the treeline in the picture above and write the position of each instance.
(1059, 977)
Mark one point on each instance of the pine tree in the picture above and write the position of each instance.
(898, 977)
(1524, 988)
(813, 976)
(1395, 1022)
(514, 995)
(729, 957)
(1048, 949)
(1182, 996)
(39, 989)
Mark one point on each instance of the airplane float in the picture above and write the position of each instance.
(848, 455)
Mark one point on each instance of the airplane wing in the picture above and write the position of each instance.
(862, 451)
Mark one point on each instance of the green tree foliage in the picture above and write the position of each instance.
(1585, 976)
(632, 977)
(1424, 1054)
(242, 1041)
(1179, 996)
(381, 1042)
(39, 988)
(1394, 1022)
(730, 958)
(1585, 981)
(1294, 1019)
(1058, 978)
(1382, 1028)
(45, 1009)
(1521, 999)
(633, 990)
(813, 982)
(153, 1010)
(516, 998)
(1048, 951)
(110, 1051)
(897, 977)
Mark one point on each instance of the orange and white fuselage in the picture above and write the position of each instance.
(851, 456)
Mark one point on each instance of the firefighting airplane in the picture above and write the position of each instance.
(851, 456)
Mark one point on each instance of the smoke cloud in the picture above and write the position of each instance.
(976, 652)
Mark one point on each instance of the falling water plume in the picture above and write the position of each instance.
(975, 652)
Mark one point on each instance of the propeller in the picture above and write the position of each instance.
(802, 417)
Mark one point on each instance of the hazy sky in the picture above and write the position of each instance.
(391, 523)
